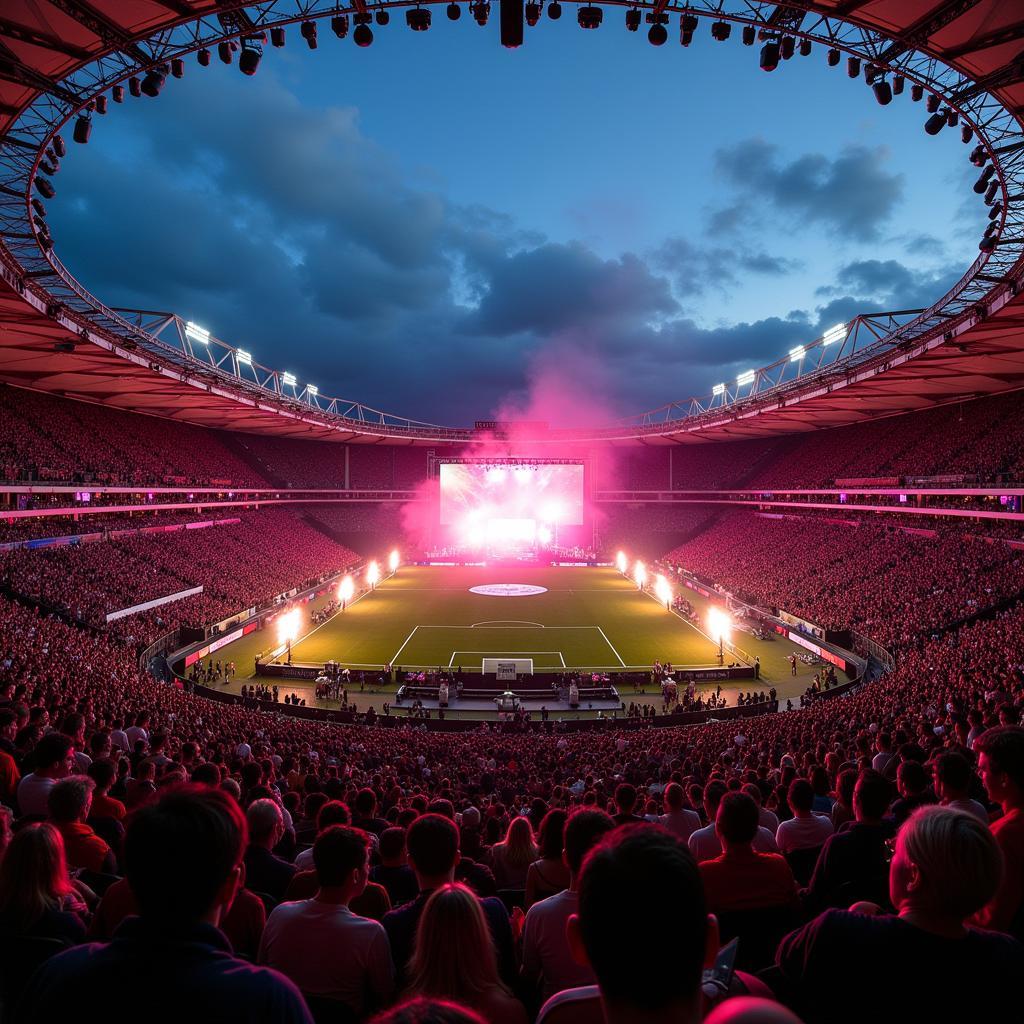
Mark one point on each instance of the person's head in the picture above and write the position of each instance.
(340, 859)
(266, 823)
(333, 812)
(33, 874)
(421, 1010)
(871, 796)
(70, 799)
(751, 1010)
(947, 864)
(736, 821)
(641, 880)
(432, 843)
(583, 831)
(453, 919)
(519, 847)
(391, 847)
(103, 775)
(183, 855)
(53, 755)
(6, 820)
(471, 818)
(551, 836)
(951, 774)
(713, 793)
(911, 778)
(625, 798)
(1001, 764)
(674, 797)
(365, 803)
(800, 796)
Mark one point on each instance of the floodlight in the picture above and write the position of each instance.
(658, 35)
(243, 357)
(797, 353)
(454, 12)
(747, 377)
(834, 334)
(83, 129)
(633, 19)
(312, 390)
(308, 32)
(197, 333)
(770, 55)
(362, 35)
(249, 61)
(718, 389)
(288, 379)
(277, 36)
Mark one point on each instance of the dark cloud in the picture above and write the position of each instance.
(851, 194)
(697, 268)
(892, 284)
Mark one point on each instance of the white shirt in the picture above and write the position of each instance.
(767, 819)
(803, 833)
(681, 823)
(971, 807)
(704, 843)
(329, 951)
(546, 952)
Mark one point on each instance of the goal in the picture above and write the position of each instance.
(507, 668)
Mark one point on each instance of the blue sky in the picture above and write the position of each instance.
(438, 226)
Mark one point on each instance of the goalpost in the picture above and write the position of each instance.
(507, 668)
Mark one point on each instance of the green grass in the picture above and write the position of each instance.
(426, 616)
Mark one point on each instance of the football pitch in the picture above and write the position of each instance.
(575, 617)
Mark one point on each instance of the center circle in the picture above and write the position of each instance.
(508, 590)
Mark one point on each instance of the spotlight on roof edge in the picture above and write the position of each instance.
(312, 390)
(797, 353)
(197, 333)
(834, 334)
(245, 358)
(746, 378)
(289, 379)
(718, 389)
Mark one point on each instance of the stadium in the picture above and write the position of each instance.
(316, 712)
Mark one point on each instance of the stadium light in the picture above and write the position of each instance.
(747, 377)
(718, 389)
(621, 562)
(244, 358)
(346, 588)
(288, 625)
(640, 574)
(372, 574)
(719, 628)
(797, 353)
(312, 390)
(197, 333)
(393, 561)
(663, 591)
(834, 334)
(288, 379)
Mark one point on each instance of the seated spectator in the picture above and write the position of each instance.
(53, 758)
(914, 789)
(704, 843)
(1001, 765)
(393, 871)
(104, 774)
(547, 959)
(512, 857)
(181, 898)
(740, 878)
(477, 875)
(625, 804)
(765, 818)
(678, 818)
(331, 812)
(946, 867)
(854, 862)
(10, 775)
(805, 830)
(364, 813)
(70, 802)
(642, 880)
(37, 899)
(142, 786)
(266, 873)
(297, 935)
(432, 843)
(428, 1011)
(952, 777)
(750, 1010)
(453, 919)
(548, 874)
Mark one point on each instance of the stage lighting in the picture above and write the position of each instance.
(788, 47)
(966, 134)
(797, 353)
(362, 35)
(992, 214)
(418, 19)
(805, 47)
(720, 31)
(952, 117)
(117, 94)
(58, 146)
(935, 124)
(41, 210)
(932, 103)
(990, 192)
(372, 574)
(640, 574)
(871, 72)
(393, 561)
(745, 378)
(177, 68)
(749, 35)
(658, 35)
(718, 389)
(982, 183)
(834, 57)
(853, 67)
(481, 11)
(770, 55)
(225, 51)
(834, 334)
(978, 156)
(454, 12)
(288, 379)
(134, 87)
(83, 129)
(339, 25)
(898, 81)
(663, 591)
(249, 61)
(510, 23)
(277, 36)
(883, 92)
(621, 562)
(382, 17)
(590, 17)
(346, 588)
(917, 92)
(554, 10)
(203, 56)
(988, 245)
(532, 14)
(153, 83)
(244, 358)
(633, 19)
(719, 624)
(308, 32)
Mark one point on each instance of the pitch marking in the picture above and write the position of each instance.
(610, 647)
(394, 658)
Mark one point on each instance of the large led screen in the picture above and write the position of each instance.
(479, 493)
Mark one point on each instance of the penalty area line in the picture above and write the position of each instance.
(394, 657)
(610, 646)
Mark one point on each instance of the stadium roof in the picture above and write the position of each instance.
(43, 42)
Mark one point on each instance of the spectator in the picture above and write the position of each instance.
(953, 777)
(547, 959)
(298, 934)
(704, 843)
(453, 919)
(1001, 764)
(420, 1010)
(330, 812)
(678, 819)
(104, 774)
(625, 802)
(54, 758)
(182, 898)
(70, 802)
(805, 830)
(548, 874)
(393, 871)
(365, 816)
(946, 867)
(912, 783)
(265, 873)
(512, 857)
(740, 878)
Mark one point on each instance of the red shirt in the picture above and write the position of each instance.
(9, 777)
(82, 847)
(1005, 906)
(747, 880)
(104, 806)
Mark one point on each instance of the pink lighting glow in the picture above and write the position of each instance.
(393, 561)
(663, 591)
(288, 625)
(621, 562)
(372, 574)
(640, 574)
(346, 588)
(719, 624)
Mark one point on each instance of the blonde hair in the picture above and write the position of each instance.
(958, 858)
(518, 849)
(33, 874)
(454, 954)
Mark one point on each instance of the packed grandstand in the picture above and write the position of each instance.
(748, 747)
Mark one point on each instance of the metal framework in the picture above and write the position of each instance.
(30, 155)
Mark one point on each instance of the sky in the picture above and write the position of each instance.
(445, 229)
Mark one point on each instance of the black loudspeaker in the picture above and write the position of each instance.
(511, 23)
